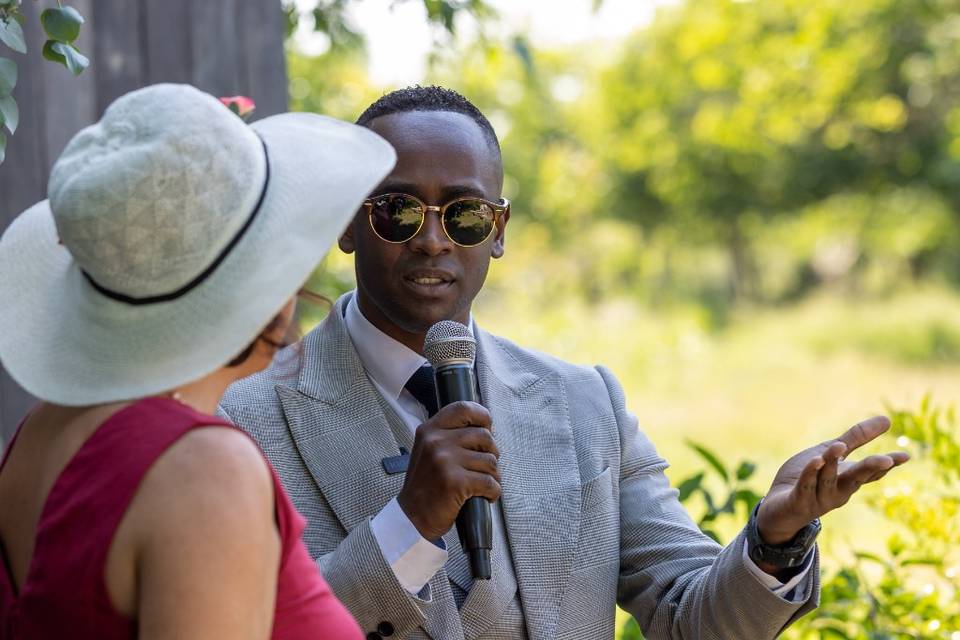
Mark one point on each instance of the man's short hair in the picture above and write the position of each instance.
(431, 98)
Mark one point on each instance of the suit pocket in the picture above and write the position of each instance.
(599, 523)
(596, 491)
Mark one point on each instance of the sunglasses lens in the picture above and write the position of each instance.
(396, 218)
(468, 222)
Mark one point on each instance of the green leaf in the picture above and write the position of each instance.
(833, 632)
(76, 61)
(8, 76)
(3, 146)
(522, 48)
(711, 459)
(11, 34)
(688, 486)
(62, 24)
(928, 561)
(863, 555)
(745, 470)
(291, 19)
(9, 113)
(67, 55)
(51, 55)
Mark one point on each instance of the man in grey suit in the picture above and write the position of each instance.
(584, 517)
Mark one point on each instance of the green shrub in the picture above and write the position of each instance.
(911, 592)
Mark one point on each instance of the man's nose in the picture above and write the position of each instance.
(431, 239)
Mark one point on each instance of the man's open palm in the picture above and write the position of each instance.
(819, 479)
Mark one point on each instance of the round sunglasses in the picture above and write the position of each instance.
(398, 217)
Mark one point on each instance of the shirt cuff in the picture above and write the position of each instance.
(779, 588)
(413, 558)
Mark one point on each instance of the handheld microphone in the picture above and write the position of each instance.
(451, 349)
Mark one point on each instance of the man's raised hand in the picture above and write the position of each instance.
(821, 479)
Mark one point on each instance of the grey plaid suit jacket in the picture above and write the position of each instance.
(590, 517)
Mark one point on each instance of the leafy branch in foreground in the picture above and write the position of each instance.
(911, 589)
(331, 17)
(736, 487)
(62, 27)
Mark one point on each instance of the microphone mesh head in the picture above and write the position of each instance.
(449, 341)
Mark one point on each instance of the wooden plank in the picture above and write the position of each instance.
(23, 175)
(116, 46)
(261, 29)
(15, 403)
(23, 179)
(216, 47)
(167, 49)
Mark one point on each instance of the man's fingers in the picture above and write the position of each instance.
(827, 480)
(863, 432)
(481, 462)
(484, 485)
(899, 457)
(477, 439)
(867, 470)
(806, 487)
(462, 414)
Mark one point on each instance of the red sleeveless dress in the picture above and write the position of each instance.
(64, 594)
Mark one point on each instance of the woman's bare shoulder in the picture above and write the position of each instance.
(211, 472)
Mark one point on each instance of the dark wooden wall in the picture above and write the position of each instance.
(225, 47)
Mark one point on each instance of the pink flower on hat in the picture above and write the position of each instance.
(240, 105)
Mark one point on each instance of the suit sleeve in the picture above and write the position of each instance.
(365, 583)
(676, 581)
(368, 586)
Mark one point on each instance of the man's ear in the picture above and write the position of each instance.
(346, 241)
(499, 238)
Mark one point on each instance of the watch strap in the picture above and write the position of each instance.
(781, 556)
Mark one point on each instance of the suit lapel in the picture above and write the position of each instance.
(341, 440)
(540, 478)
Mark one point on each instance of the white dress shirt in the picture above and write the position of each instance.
(414, 559)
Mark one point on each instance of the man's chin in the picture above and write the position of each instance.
(419, 321)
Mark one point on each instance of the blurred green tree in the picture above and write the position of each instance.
(724, 112)
(730, 151)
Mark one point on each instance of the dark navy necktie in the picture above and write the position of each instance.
(423, 387)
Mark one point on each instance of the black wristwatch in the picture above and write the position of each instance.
(781, 556)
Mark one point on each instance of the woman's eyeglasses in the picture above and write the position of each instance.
(398, 217)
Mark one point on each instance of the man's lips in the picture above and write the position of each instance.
(429, 278)
(428, 282)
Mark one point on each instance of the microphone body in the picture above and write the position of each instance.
(456, 382)
(451, 349)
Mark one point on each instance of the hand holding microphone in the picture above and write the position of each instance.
(453, 466)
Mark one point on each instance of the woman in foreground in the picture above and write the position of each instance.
(162, 268)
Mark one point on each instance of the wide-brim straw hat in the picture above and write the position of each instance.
(173, 234)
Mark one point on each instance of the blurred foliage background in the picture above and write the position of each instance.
(751, 212)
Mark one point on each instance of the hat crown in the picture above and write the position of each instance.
(146, 199)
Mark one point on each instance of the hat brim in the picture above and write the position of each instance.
(67, 343)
